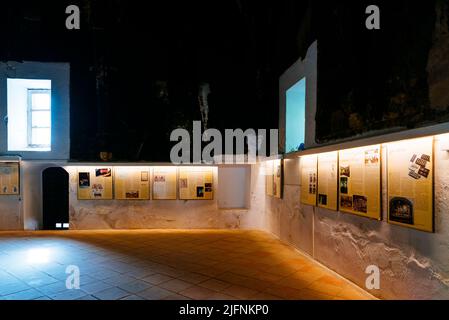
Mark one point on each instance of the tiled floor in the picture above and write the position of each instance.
(162, 264)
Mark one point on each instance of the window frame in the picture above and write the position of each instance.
(30, 110)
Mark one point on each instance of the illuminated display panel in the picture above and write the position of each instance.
(132, 183)
(327, 180)
(410, 183)
(196, 183)
(269, 178)
(277, 178)
(309, 180)
(9, 178)
(164, 183)
(95, 183)
(360, 182)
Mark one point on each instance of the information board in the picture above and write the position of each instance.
(95, 183)
(9, 178)
(164, 183)
(309, 180)
(196, 183)
(327, 180)
(410, 183)
(132, 183)
(359, 181)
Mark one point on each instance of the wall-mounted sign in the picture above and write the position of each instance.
(359, 181)
(309, 180)
(410, 183)
(196, 183)
(269, 178)
(164, 183)
(95, 183)
(277, 178)
(9, 178)
(273, 178)
(327, 180)
(132, 183)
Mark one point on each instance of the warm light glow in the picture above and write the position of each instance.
(38, 256)
(443, 141)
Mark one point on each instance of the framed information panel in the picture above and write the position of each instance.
(277, 178)
(95, 183)
(327, 180)
(9, 178)
(359, 181)
(269, 178)
(196, 183)
(309, 179)
(132, 183)
(410, 183)
(164, 183)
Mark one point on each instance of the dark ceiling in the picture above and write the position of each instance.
(151, 57)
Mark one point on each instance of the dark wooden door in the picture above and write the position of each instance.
(55, 198)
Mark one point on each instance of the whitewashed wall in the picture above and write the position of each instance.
(413, 264)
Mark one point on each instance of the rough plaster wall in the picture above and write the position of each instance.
(254, 218)
(123, 214)
(413, 264)
(10, 213)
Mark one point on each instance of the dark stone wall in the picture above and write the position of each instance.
(388, 79)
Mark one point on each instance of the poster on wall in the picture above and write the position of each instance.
(309, 180)
(164, 183)
(277, 178)
(269, 178)
(196, 183)
(132, 183)
(9, 178)
(359, 181)
(327, 180)
(410, 183)
(95, 183)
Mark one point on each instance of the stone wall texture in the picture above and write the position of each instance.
(413, 264)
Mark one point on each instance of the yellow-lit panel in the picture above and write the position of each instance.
(327, 180)
(309, 180)
(164, 183)
(196, 183)
(132, 183)
(360, 182)
(410, 183)
(95, 183)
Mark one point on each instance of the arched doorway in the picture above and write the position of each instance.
(55, 199)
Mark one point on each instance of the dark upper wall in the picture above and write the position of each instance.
(150, 58)
(393, 78)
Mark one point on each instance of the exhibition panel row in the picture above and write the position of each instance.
(350, 181)
(145, 183)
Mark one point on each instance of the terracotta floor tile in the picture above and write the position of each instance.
(156, 279)
(240, 292)
(215, 284)
(198, 293)
(155, 264)
(176, 285)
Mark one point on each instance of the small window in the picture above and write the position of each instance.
(29, 115)
(39, 118)
(295, 117)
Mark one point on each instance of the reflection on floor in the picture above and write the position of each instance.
(161, 264)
